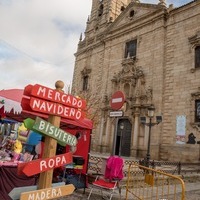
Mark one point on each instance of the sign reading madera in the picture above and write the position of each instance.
(47, 128)
(48, 193)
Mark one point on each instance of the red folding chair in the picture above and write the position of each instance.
(109, 182)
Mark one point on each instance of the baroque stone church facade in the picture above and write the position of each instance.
(151, 53)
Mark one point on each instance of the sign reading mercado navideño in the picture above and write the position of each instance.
(46, 100)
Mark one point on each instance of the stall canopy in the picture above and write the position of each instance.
(10, 109)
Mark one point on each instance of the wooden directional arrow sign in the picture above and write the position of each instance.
(56, 96)
(42, 106)
(56, 104)
(52, 102)
(16, 192)
(48, 193)
(41, 165)
(46, 128)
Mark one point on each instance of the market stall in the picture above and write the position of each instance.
(12, 122)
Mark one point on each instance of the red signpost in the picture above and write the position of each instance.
(117, 100)
(58, 104)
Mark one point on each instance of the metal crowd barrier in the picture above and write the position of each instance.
(175, 168)
(149, 184)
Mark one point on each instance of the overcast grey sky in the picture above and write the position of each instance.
(38, 39)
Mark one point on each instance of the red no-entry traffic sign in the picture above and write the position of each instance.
(117, 100)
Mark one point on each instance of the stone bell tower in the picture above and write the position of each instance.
(103, 13)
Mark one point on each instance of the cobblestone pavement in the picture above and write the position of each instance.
(79, 195)
(192, 193)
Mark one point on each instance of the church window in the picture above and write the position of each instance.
(85, 83)
(131, 14)
(100, 12)
(122, 8)
(197, 57)
(130, 49)
(195, 50)
(197, 111)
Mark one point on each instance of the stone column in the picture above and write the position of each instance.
(136, 126)
(135, 135)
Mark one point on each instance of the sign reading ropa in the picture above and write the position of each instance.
(49, 101)
(41, 165)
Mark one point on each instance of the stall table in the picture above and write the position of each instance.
(9, 179)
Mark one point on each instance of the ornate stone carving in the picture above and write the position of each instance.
(86, 71)
(196, 95)
(134, 76)
(195, 40)
(162, 3)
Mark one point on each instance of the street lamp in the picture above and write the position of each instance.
(151, 111)
(121, 127)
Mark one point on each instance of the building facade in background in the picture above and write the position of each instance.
(151, 53)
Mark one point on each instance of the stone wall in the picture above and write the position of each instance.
(165, 56)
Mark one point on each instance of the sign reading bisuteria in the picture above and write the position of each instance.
(46, 128)
(54, 132)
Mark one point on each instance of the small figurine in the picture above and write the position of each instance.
(191, 139)
(17, 149)
(22, 133)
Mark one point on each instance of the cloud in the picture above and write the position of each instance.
(38, 39)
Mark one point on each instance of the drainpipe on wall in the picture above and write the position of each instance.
(101, 133)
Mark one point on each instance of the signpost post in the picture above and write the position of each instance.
(116, 103)
(57, 104)
(50, 144)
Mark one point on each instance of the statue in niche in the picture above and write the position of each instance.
(191, 139)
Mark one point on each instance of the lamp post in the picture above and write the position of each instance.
(151, 111)
(150, 114)
(121, 126)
